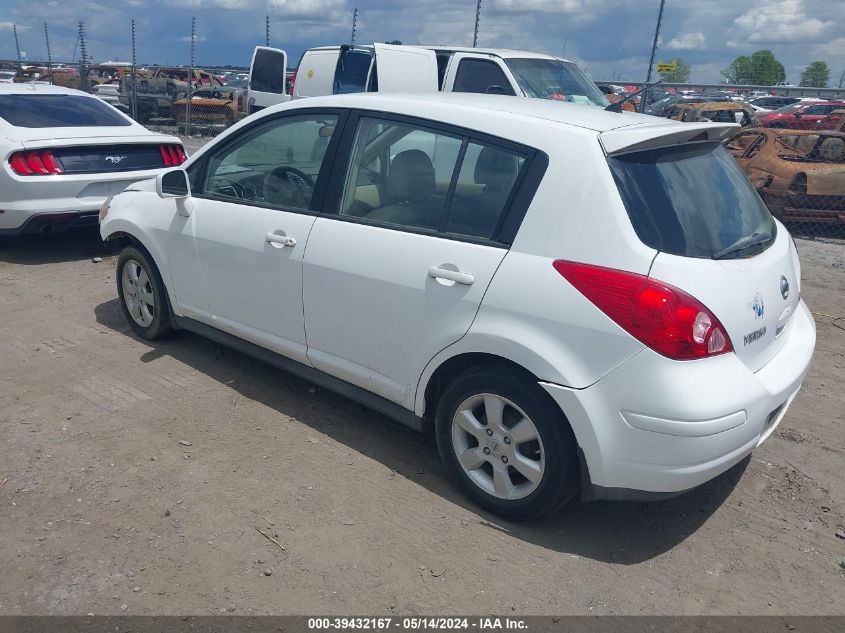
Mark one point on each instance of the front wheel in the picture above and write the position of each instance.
(143, 296)
(506, 443)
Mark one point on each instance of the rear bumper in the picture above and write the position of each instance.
(59, 199)
(660, 426)
(53, 223)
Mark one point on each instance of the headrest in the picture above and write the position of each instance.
(411, 177)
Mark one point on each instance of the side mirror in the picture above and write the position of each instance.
(173, 184)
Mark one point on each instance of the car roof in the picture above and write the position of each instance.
(504, 53)
(29, 88)
(768, 131)
(708, 106)
(438, 105)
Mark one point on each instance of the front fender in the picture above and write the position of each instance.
(144, 218)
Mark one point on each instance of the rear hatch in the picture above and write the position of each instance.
(688, 199)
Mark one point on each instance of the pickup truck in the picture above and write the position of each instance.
(346, 68)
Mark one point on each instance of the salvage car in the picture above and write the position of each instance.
(799, 116)
(718, 112)
(835, 121)
(211, 106)
(64, 152)
(552, 289)
(799, 174)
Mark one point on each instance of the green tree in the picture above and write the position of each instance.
(761, 68)
(678, 76)
(816, 75)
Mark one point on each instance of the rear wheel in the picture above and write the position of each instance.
(143, 296)
(507, 443)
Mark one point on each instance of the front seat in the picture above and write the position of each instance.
(409, 192)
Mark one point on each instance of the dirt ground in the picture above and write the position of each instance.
(150, 479)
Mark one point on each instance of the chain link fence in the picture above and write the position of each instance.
(177, 100)
(791, 144)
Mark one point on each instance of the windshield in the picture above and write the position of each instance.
(50, 110)
(555, 79)
(691, 200)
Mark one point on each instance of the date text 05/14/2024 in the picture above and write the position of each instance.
(486, 623)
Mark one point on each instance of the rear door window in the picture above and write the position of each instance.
(691, 200)
(58, 110)
(268, 71)
(414, 177)
(353, 68)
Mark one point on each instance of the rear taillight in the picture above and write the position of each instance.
(172, 154)
(292, 82)
(667, 319)
(40, 162)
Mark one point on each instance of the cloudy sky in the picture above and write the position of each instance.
(611, 38)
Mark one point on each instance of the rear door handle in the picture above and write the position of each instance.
(282, 240)
(451, 275)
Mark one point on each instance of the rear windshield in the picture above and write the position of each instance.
(692, 200)
(555, 79)
(22, 110)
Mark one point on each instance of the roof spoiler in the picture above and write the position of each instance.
(634, 138)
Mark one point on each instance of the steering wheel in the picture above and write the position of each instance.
(286, 185)
(238, 190)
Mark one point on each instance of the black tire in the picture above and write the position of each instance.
(559, 481)
(160, 323)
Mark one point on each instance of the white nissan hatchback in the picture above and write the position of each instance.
(572, 299)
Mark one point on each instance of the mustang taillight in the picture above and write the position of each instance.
(667, 319)
(38, 162)
(172, 154)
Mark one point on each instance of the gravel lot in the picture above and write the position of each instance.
(150, 479)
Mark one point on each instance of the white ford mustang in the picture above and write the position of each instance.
(64, 152)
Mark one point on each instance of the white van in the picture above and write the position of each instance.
(344, 69)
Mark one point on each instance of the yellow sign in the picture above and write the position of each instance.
(310, 73)
(664, 67)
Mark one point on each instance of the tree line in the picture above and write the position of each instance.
(759, 69)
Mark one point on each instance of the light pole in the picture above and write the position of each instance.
(477, 19)
(653, 51)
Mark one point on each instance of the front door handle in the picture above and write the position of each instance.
(451, 275)
(282, 240)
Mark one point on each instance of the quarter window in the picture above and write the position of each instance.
(275, 164)
(480, 75)
(410, 176)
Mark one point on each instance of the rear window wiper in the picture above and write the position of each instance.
(746, 242)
